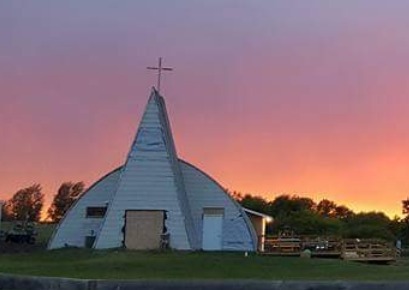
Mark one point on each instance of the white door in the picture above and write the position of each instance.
(212, 232)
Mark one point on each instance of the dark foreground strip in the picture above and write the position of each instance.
(14, 282)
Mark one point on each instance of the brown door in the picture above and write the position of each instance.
(143, 229)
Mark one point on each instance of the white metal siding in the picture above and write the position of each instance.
(74, 227)
(203, 192)
(154, 179)
(149, 181)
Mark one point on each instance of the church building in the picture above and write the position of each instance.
(157, 200)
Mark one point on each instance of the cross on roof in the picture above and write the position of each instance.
(159, 69)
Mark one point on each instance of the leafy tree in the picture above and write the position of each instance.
(311, 223)
(5, 213)
(305, 217)
(343, 212)
(397, 227)
(404, 223)
(369, 225)
(65, 197)
(326, 208)
(307, 222)
(405, 208)
(236, 195)
(26, 204)
(285, 205)
(293, 212)
(256, 203)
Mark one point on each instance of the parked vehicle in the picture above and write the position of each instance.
(22, 233)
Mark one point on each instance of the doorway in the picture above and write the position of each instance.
(143, 229)
(212, 229)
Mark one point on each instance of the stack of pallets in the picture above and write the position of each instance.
(368, 250)
(282, 246)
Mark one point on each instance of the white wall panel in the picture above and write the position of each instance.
(74, 227)
(204, 192)
(151, 179)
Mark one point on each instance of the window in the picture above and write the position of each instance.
(96, 211)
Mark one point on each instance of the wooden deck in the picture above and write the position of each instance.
(282, 246)
(322, 246)
(368, 250)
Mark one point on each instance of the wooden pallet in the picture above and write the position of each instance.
(282, 246)
(294, 245)
(368, 250)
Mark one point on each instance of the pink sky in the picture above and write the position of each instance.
(269, 97)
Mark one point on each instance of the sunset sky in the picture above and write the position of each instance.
(268, 97)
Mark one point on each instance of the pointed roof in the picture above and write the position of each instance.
(151, 180)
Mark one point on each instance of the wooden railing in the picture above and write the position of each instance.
(282, 245)
(369, 250)
(348, 249)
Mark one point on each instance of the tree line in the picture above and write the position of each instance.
(27, 203)
(304, 216)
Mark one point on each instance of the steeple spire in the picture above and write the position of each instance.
(151, 179)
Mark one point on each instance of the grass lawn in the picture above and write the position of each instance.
(81, 263)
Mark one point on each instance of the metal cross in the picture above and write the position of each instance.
(160, 69)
